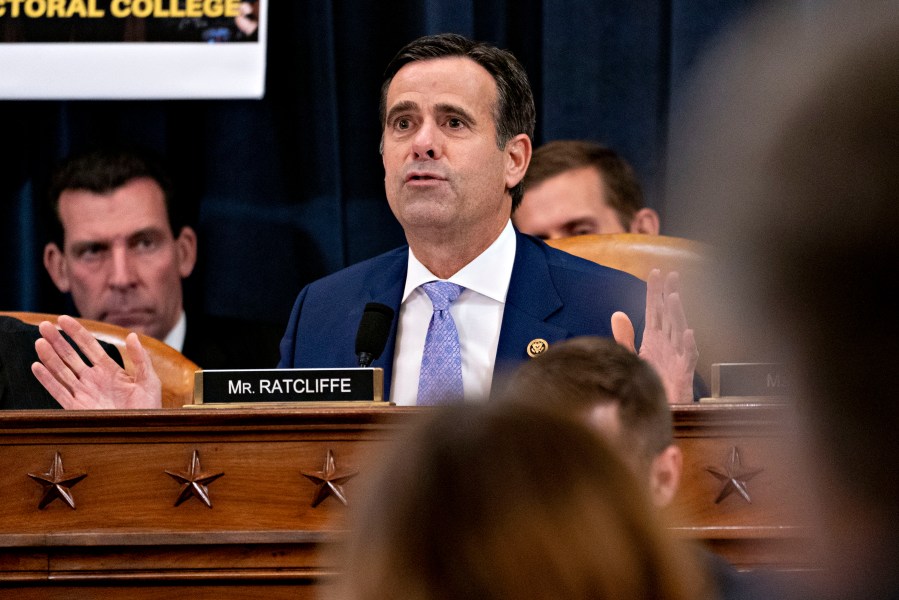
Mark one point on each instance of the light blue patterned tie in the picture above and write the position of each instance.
(440, 380)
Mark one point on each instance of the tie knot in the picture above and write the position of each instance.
(442, 293)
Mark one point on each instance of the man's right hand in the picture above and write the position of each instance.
(75, 385)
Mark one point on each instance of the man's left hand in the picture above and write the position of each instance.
(103, 384)
(668, 344)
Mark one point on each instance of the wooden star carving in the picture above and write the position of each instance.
(194, 482)
(734, 476)
(56, 483)
(328, 481)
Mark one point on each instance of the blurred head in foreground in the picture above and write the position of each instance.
(497, 501)
(791, 154)
(600, 382)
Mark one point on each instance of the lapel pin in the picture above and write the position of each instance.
(537, 347)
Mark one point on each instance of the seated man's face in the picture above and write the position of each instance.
(571, 203)
(120, 261)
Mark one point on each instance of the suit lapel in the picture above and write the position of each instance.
(532, 299)
(386, 287)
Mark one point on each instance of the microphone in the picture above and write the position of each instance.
(374, 327)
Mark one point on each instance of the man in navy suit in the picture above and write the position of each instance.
(458, 119)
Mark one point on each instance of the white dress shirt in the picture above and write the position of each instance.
(477, 312)
(175, 337)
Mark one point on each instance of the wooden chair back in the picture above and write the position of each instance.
(638, 253)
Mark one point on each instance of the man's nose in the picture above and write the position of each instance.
(427, 141)
(123, 274)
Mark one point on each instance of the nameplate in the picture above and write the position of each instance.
(253, 386)
(749, 380)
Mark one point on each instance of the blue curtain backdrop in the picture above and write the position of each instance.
(290, 187)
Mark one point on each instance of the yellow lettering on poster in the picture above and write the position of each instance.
(94, 12)
(77, 8)
(232, 8)
(141, 8)
(193, 8)
(15, 8)
(56, 8)
(34, 9)
(120, 9)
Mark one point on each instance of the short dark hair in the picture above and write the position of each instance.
(580, 373)
(102, 171)
(624, 194)
(514, 112)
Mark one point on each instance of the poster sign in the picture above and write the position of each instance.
(132, 49)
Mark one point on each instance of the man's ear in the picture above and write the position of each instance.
(55, 263)
(518, 153)
(646, 220)
(664, 475)
(186, 248)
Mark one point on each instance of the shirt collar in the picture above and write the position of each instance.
(488, 274)
(175, 337)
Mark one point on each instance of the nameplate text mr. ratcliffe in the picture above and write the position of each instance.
(289, 385)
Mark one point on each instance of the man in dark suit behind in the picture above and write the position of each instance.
(121, 246)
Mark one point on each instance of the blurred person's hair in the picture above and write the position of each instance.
(619, 180)
(797, 172)
(791, 154)
(495, 501)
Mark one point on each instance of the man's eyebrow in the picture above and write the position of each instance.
(154, 231)
(571, 224)
(147, 231)
(404, 106)
(453, 109)
(81, 245)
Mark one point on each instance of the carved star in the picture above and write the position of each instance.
(328, 481)
(194, 482)
(735, 477)
(56, 483)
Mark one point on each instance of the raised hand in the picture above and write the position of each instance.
(75, 385)
(668, 344)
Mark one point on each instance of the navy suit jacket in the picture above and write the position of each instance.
(552, 295)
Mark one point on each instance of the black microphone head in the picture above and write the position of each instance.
(374, 328)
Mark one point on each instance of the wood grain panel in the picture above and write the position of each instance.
(262, 537)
